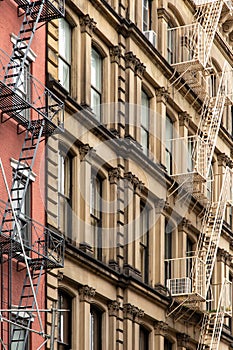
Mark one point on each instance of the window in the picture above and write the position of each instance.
(96, 83)
(168, 250)
(189, 254)
(145, 121)
(209, 184)
(22, 206)
(64, 53)
(144, 238)
(213, 84)
(190, 163)
(20, 337)
(96, 217)
(170, 44)
(24, 87)
(64, 321)
(167, 344)
(65, 193)
(146, 15)
(169, 137)
(95, 329)
(144, 339)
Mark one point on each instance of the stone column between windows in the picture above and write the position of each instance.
(86, 297)
(87, 25)
(139, 71)
(181, 145)
(131, 61)
(160, 331)
(113, 310)
(163, 18)
(129, 224)
(158, 243)
(162, 95)
(113, 176)
(115, 54)
(132, 315)
(85, 239)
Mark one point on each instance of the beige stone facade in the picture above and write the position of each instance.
(115, 188)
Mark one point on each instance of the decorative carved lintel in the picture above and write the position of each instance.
(87, 24)
(163, 14)
(184, 224)
(86, 293)
(224, 160)
(113, 308)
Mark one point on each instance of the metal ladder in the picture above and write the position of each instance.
(212, 324)
(210, 234)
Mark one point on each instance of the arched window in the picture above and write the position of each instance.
(95, 328)
(96, 82)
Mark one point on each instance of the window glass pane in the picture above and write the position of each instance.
(95, 329)
(145, 110)
(64, 73)
(64, 320)
(169, 136)
(64, 44)
(145, 15)
(96, 103)
(96, 70)
(144, 339)
(144, 140)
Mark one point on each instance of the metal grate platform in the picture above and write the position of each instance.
(51, 9)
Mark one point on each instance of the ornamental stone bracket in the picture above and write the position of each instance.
(132, 312)
(87, 293)
(134, 180)
(113, 307)
(132, 62)
(86, 152)
(162, 94)
(87, 24)
(114, 175)
(224, 160)
(160, 205)
(115, 54)
(160, 328)
(184, 119)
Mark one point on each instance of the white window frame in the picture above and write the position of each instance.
(64, 53)
(96, 82)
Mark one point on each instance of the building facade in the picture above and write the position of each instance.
(29, 113)
(140, 182)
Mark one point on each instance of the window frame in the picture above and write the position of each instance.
(96, 194)
(64, 53)
(144, 334)
(96, 321)
(168, 145)
(145, 127)
(65, 183)
(168, 242)
(95, 89)
(146, 15)
(144, 240)
(64, 318)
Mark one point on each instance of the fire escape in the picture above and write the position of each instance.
(37, 117)
(190, 277)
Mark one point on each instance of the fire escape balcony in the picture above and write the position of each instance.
(52, 9)
(41, 245)
(47, 107)
(186, 278)
(188, 46)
